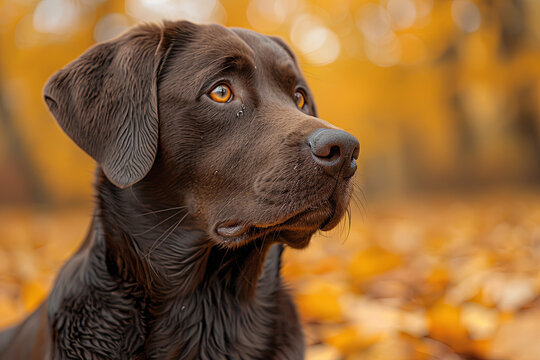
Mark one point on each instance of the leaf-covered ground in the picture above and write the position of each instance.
(453, 277)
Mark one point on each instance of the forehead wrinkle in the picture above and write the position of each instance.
(233, 62)
(212, 54)
(262, 44)
(285, 75)
(219, 38)
(228, 64)
(226, 51)
(279, 63)
(283, 46)
(215, 50)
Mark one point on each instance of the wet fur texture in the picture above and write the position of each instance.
(155, 277)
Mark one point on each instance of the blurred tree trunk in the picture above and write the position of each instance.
(16, 149)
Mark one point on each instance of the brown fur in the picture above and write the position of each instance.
(195, 199)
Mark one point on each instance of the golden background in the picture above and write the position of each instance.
(441, 261)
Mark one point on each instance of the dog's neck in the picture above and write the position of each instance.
(185, 279)
(160, 248)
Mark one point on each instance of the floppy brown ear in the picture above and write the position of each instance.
(106, 101)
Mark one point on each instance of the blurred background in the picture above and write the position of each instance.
(441, 260)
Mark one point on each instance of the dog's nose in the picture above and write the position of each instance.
(333, 150)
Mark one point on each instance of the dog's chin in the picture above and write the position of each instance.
(294, 229)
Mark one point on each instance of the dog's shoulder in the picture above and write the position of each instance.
(91, 314)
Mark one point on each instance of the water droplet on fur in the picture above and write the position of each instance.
(241, 112)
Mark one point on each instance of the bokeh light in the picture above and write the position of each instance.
(375, 23)
(318, 43)
(109, 26)
(266, 16)
(466, 15)
(56, 16)
(194, 10)
(441, 258)
(402, 12)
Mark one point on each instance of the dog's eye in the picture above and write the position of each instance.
(222, 93)
(300, 99)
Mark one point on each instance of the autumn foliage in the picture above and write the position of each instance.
(430, 278)
(438, 263)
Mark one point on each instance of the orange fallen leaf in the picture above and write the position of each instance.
(320, 301)
(445, 325)
(372, 261)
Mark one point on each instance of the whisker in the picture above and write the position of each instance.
(349, 222)
(162, 210)
(224, 257)
(360, 203)
(159, 223)
(136, 198)
(255, 244)
(159, 240)
(151, 266)
(241, 273)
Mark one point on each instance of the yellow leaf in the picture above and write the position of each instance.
(445, 325)
(349, 340)
(320, 301)
(372, 261)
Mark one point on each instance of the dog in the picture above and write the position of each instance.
(210, 160)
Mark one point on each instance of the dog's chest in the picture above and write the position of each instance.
(213, 326)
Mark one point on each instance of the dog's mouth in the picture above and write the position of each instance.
(300, 224)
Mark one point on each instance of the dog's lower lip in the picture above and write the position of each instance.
(239, 231)
(231, 231)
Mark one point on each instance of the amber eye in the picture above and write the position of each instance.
(300, 99)
(222, 93)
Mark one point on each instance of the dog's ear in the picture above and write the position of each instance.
(106, 101)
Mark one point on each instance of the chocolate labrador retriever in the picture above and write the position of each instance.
(211, 159)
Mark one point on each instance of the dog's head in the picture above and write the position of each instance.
(220, 120)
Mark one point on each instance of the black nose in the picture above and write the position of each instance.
(334, 150)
